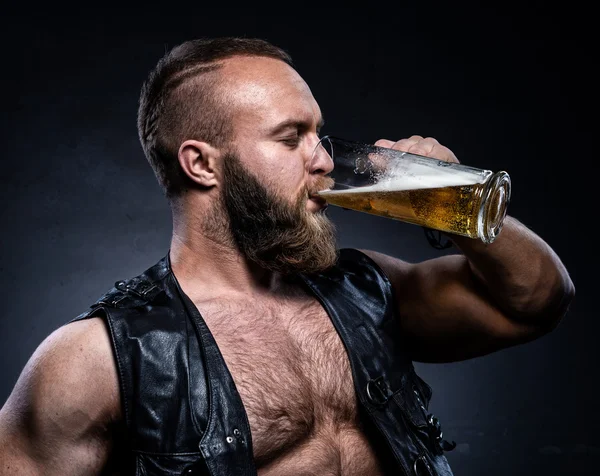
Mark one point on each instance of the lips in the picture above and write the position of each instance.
(318, 200)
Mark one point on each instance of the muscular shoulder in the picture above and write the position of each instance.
(394, 268)
(70, 382)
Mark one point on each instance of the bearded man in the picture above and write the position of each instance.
(255, 345)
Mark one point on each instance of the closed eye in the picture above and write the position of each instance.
(291, 141)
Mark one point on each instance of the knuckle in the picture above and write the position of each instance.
(419, 150)
(403, 144)
(384, 143)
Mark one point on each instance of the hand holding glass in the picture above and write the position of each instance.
(432, 193)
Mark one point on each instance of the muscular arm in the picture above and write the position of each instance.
(457, 307)
(59, 417)
(523, 275)
(487, 298)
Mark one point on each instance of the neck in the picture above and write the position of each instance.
(207, 263)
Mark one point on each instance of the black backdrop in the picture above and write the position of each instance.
(504, 88)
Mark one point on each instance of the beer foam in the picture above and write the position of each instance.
(424, 178)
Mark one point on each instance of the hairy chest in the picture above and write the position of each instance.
(290, 368)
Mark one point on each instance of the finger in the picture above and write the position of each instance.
(405, 145)
(385, 143)
(424, 146)
(443, 153)
(432, 148)
(418, 145)
(402, 144)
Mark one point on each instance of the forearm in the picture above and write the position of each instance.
(522, 274)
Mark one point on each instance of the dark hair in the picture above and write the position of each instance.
(180, 100)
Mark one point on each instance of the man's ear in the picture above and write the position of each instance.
(198, 159)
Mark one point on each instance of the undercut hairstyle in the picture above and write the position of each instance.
(181, 100)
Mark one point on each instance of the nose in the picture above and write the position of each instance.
(321, 161)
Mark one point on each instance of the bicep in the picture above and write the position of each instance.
(57, 418)
(16, 453)
(445, 314)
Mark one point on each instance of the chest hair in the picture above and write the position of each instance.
(289, 366)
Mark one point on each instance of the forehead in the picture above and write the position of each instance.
(265, 92)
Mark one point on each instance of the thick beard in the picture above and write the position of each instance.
(269, 232)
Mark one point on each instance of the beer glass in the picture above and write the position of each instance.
(432, 193)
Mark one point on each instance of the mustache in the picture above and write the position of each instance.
(322, 183)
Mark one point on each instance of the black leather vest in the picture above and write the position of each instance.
(183, 413)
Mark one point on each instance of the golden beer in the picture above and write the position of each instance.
(473, 210)
(424, 191)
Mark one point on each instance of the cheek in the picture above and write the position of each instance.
(281, 171)
(286, 177)
(294, 173)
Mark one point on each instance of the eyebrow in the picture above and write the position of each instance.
(295, 124)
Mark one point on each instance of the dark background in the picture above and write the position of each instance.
(503, 87)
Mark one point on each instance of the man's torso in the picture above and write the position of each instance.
(293, 375)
